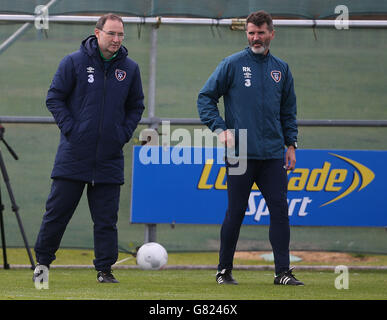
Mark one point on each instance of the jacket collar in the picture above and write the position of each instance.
(258, 57)
(90, 47)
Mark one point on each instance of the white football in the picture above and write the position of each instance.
(152, 256)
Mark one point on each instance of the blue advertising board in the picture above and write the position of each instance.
(327, 188)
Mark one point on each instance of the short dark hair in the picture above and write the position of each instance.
(259, 18)
(109, 16)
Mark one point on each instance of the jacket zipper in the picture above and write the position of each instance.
(100, 126)
(262, 65)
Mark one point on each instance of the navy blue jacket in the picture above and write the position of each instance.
(97, 111)
(258, 94)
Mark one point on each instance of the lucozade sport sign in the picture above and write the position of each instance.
(327, 188)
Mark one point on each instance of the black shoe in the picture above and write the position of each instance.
(287, 278)
(106, 277)
(225, 277)
(39, 269)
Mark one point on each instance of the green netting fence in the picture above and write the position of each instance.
(339, 74)
(310, 9)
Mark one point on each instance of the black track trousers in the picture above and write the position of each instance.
(271, 179)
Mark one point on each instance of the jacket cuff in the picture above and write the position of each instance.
(221, 127)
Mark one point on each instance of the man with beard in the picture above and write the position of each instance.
(258, 93)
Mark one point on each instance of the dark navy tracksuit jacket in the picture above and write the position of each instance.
(97, 111)
(259, 96)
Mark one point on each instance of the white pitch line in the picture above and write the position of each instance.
(123, 260)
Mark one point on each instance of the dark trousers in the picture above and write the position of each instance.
(103, 202)
(271, 179)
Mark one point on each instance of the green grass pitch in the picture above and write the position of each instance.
(135, 284)
(184, 284)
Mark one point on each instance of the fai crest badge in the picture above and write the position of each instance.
(120, 74)
(276, 75)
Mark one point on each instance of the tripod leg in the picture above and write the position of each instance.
(15, 209)
(6, 265)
